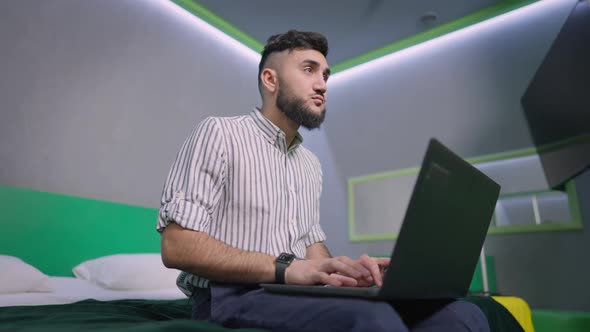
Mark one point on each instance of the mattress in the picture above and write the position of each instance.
(70, 290)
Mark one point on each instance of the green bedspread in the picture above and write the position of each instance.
(92, 315)
(149, 315)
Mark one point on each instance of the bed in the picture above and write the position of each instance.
(56, 235)
(70, 290)
(84, 302)
(88, 300)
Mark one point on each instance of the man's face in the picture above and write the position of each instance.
(302, 87)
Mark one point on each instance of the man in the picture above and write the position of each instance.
(243, 192)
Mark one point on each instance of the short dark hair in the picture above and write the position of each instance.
(292, 40)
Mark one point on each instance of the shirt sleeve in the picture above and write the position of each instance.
(315, 233)
(196, 179)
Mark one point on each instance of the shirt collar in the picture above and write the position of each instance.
(271, 131)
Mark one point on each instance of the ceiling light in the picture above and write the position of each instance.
(209, 30)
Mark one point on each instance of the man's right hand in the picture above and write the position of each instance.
(337, 271)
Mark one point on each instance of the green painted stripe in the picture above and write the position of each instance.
(502, 156)
(529, 193)
(574, 203)
(515, 229)
(372, 237)
(477, 17)
(206, 15)
(415, 170)
(351, 212)
(55, 232)
(576, 140)
(383, 175)
(580, 139)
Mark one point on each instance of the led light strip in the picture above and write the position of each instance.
(443, 41)
(207, 28)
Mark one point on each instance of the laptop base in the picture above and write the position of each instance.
(371, 293)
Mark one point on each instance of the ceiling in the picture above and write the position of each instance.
(353, 28)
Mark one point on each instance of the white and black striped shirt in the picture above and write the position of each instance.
(236, 179)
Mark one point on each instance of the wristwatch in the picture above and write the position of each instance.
(283, 262)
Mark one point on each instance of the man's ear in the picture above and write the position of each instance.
(269, 80)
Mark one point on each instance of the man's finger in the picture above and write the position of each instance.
(382, 261)
(355, 264)
(371, 265)
(346, 281)
(324, 278)
(334, 265)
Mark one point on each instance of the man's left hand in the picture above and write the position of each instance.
(376, 266)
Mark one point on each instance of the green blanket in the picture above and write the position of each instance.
(92, 315)
(149, 315)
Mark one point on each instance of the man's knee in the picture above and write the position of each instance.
(470, 315)
(373, 316)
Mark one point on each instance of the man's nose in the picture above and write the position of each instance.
(320, 85)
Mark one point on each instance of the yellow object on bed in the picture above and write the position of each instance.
(519, 309)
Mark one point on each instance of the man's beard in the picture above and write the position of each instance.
(295, 109)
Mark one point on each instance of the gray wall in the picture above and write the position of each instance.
(97, 96)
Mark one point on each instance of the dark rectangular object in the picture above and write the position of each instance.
(557, 101)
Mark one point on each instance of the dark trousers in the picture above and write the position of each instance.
(244, 307)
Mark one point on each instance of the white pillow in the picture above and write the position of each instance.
(20, 277)
(128, 272)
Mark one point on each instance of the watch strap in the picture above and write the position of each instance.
(282, 263)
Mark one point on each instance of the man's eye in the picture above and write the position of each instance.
(307, 69)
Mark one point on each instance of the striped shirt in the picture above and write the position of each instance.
(236, 179)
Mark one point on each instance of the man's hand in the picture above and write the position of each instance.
(377, 266)
(340, 271)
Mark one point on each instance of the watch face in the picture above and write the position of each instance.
(286, 257)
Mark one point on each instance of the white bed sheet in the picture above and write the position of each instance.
(69, 290)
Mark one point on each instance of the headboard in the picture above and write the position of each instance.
(55, 232)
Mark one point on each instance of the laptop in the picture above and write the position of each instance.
(441, 237)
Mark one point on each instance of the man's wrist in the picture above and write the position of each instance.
(282, 263)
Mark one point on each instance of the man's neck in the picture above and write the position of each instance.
(288, 126)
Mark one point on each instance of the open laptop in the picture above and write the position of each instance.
(440, 239)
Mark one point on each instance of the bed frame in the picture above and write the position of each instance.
(55, 232)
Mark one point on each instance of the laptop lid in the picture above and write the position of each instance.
(441, 237)
(444, 229)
